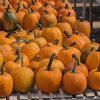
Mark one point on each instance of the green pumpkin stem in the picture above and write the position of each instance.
(61, 18)
(22, 60)
(17, 58)
(33, 2)
(50, 62)
(18, 51)
(76, 59)
(19, 27)
(45, 4)
(65, 46)
(72, 44)
(74, 69)
(67, 34)
(51, 24)
(4, 2)
(56, 42)
(40, 26)
(18, 8)
(30, 10)
(27, 41)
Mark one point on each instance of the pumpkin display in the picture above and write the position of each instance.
(49, 17)
(53, 32)
(9, 20)
(80, 66)
(82, 26)
(30, 25)
(65, 55)
(23, 78)
(6, 83)
(51, 77)
(30, 53)
(94, 78)
(74, 40)
(75, 80)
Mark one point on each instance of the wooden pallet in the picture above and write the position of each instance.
(60, 95)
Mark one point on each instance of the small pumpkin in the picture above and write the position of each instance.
(9, 20)
(23, 78)
(82, 26)
(50, 2)
(51, 77)
(52, 33)
(6, 83)
(31, 53)
(76, 81)
(94, 79)
(30, 25)
(65, 55)
(80, 66)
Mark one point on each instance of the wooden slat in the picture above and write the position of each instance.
(40, 95)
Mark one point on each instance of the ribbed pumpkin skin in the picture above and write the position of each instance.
(94, 79)
(23, 78)
(76, 83)
(48, 81)
(6, 85)
(1, 60)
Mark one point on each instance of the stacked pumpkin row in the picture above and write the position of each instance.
(42, 43)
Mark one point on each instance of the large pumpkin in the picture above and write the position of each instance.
(9, 20)
(76, 82)
(6, 84)
(51, 77)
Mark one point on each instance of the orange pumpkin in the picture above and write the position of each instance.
(51, 77)
(76, 82)
(94, 79)
(6, 84)
(82, 26)
(50, 2)
(65, 55)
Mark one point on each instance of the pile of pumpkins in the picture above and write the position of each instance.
(42, 43)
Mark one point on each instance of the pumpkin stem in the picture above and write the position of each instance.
(93, 41)
(51, 24)
(56, 42)
(30, 10)
(22, 60)
(17, 58)
(45, 11)
(81, 20)
(2, 70)
(69, 13)
(98, 68)
(76, 58)
(67, 34)
(18, 8)
(50, 62)
(75, 65)
(77, 33)
(92, 48)
(45, 4)
(28, 32)
(8, 8)
(18, 38)
(19, 27)
(72, 44)
(36, 34)
(27, 41)
(61, 18)
(65, 46)
(40, 26)
(24, 6)
(18, 51)
(33, 2)
(66, 6)
(4, 2)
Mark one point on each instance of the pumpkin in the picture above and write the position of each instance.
(23, 78)
(64, 26)
(65, 55)
(51, 77)
(10, 65)
(12, 57)
(30, 25)
(3, 33)
(6, 50)
(50, 2)
(52, 33)
(14, 1)
(93, 44)
(20, 15)
(6, 84)
(35, 5)
(64, 11)
(19, 43)
(9, 20)
(62, 4)
(1, 60)
(94, 79)
(41, 42)
(82, 26)
(70, 19)
(74, 40)
(76, 82)
(21, 32)
(30, 53)
(49, 17)
(80, 66)
(48, 8)
(55, 64)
